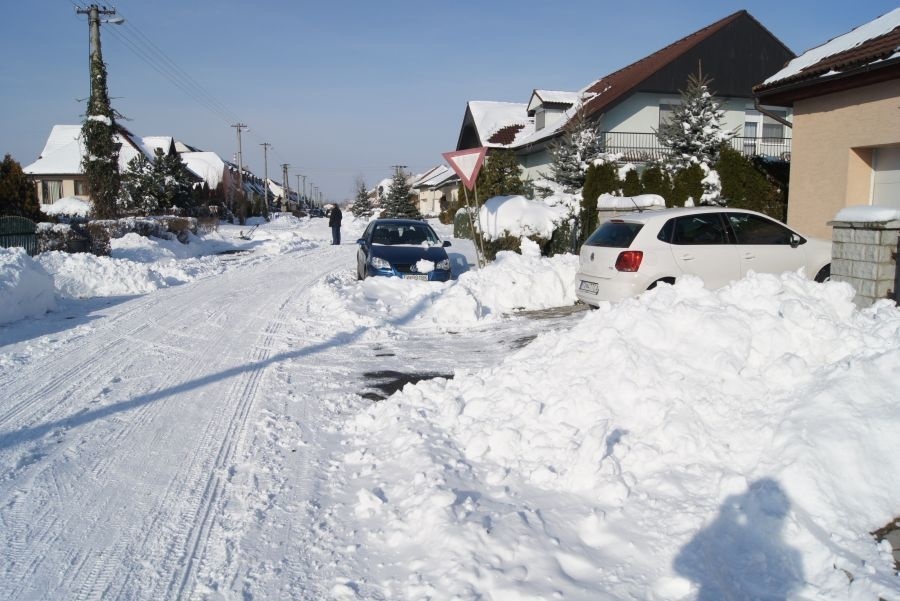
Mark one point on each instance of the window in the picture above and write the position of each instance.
(753, 229)
(699, 229)
(614, 234)
(81, 188)
(772, 128)
(666, 112)
(51, 191)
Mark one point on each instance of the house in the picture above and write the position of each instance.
(845, 96)
(58, 173)
(630, 104)
(436, 189)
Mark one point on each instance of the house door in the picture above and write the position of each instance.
(886, 177)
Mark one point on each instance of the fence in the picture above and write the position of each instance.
(642, 146)
(18, 232)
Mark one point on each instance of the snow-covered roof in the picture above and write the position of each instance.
(64, 150)
(807, 61)
(491, 118)
(435, 177)
(151, 143)
(207, 165)
(542, 97)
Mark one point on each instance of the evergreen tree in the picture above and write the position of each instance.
(101, 156)
(362, 205)
(694, 135)
(176, 181)
(397, 202)
(656, 180)
(601, 178)
(632, 184)
(141, 188)
(573, 151)
(501, 175)
(18, 196)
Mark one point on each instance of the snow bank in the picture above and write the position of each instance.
(511, 283)
(26, 290)
(738, 443)
(517, 216)
(68, 206)
(868, 214)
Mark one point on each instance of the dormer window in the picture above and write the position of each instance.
(540, 118)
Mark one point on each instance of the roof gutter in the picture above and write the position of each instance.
(770, 114)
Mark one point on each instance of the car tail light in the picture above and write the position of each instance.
(629, 260)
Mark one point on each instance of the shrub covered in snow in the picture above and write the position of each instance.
(26, 289)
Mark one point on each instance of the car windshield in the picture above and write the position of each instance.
(403, 233)
(614, 234)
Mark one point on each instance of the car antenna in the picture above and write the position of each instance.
(639, 209)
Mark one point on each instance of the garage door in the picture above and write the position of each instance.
(886, 177)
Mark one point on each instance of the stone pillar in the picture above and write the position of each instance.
(864, 256)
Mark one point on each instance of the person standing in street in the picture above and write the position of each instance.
(334, 220)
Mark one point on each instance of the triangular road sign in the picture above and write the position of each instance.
(467, 164)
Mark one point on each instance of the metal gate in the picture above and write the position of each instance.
(18, 232)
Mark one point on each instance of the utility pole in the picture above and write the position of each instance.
(265, 146)
(299, 198)
(286, 182)
(304, 186)
(101, 157)
(240, 126)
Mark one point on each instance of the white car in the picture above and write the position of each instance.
(632, 253)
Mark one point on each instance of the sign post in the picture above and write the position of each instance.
(467, 164)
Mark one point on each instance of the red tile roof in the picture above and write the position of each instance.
(615, 85)
(505, 135)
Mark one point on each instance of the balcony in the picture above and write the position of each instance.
(641, 147)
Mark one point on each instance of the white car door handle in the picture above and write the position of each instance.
(687, 257)
(749, 255)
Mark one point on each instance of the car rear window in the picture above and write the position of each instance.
(614, 234)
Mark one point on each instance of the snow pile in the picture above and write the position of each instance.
(26, 290)
(641, 201)
(517, 216)
(868, 214)
(739, 443)
(68, 206)
(512, 282)
(143, 249)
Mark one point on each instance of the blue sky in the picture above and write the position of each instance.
(344, 89)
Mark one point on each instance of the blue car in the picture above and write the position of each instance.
(394, 247)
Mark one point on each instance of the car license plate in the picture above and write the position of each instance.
(591, 287)
(415, 276)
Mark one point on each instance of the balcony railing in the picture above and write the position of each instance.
(642, 147)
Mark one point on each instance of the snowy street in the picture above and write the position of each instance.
(185, 424)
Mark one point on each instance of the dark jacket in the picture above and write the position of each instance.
(334, 218)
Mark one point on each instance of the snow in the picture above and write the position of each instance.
(878, 27)
(68, 206)
(26, 290)
(641, 201)
(518, 216)
(868, 214)
(489, 117)
(186, 424)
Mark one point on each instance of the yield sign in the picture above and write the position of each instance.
(467, 164)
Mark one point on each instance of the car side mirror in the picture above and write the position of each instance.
(446, 243)
(361, 241)
(796, 240)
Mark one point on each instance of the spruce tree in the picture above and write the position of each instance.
(140, 188)
(573, 151)
(397, 202)
(601, 178)
(362, 205)
(101, 156)
(695, 134)
(18, 196)
(501, 175)
(177, 187)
